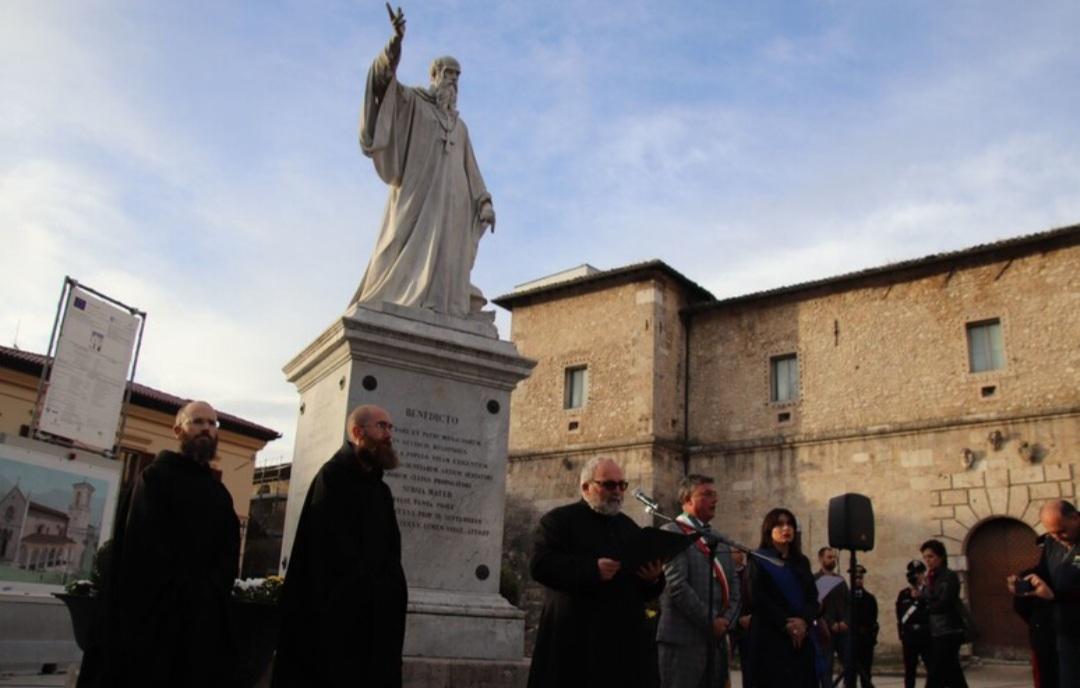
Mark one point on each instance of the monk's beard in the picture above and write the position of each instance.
(446, 97)
(379, 454)
(200, 448)
(608, 506)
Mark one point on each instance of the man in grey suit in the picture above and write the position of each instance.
(689, 631)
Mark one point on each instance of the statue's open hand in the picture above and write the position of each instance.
(487, 216)
(398, 20)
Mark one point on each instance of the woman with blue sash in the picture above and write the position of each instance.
(785, 607)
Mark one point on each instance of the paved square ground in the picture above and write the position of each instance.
(986, 676)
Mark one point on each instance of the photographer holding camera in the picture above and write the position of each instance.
(913, 622)
(1038, 614)
(1056, 580)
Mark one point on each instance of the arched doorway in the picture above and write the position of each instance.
(997, 548)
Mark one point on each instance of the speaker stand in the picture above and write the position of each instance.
(850, 676)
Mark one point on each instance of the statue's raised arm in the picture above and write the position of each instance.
(398, 21)
(385, 66)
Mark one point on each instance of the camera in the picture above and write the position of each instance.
(1024, 586)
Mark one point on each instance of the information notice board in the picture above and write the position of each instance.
(85, 390)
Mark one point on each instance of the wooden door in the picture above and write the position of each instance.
(996, 549)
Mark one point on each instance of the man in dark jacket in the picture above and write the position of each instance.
(175, 553)
(833, 594)
(1057, 580)
(741, 634)
(913, 622)
(592, 628)
(1038, 614)
(864, 614)
(343, 602)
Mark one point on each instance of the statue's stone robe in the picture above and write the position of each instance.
(431, 228)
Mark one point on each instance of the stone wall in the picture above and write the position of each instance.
(892, 352)
(669, 352)
(612, 333)
(632, 339)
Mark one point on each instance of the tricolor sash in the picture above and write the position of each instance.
(689, 528)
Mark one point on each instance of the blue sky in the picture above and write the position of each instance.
(199, 161)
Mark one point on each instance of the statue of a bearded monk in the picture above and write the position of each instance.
(438, 207)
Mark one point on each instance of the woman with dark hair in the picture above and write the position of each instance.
(942, 596)
(785, 606)
(913, 623)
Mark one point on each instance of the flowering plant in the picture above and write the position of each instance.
(265, 590)
(81, 587)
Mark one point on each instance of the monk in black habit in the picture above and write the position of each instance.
(175, 554)
(343, 604)
(592, 629)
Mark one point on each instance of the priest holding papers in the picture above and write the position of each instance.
(592, 629)
(690, 630)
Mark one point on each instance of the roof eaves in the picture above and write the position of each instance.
(606, 277)
(936, 262)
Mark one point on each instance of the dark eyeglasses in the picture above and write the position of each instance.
(612, 484)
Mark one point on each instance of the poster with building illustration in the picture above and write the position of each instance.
(54, 513)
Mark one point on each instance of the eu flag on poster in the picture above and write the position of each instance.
(80, 303)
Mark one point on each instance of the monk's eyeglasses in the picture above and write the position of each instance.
(611, 485)
(383, 425)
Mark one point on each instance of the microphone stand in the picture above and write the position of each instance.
(850, 675)
(712, 540)
(710, 537)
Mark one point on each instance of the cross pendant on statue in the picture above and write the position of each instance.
(446, 143)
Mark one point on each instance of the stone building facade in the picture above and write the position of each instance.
(947, 389)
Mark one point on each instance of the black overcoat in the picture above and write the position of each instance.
(176, 549)
(591, 633)
(344, 598)
(775, 663)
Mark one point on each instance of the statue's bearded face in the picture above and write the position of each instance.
(445, 87)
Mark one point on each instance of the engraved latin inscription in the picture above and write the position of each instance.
(442, 472)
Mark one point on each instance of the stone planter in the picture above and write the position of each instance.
(83, 609)
(255, 632)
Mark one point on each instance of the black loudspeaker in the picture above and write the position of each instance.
(851, 522)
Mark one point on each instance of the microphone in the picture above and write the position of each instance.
(651, 505)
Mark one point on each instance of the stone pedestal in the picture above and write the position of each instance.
(446, 383)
